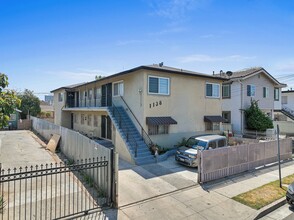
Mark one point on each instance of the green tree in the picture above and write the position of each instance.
(30, 104)
(256, 119)
(8, 101)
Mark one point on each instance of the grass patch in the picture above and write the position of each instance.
(264, 195)
(2, 204)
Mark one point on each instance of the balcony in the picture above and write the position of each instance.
(82, 103)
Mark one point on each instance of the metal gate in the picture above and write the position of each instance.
(55, 191)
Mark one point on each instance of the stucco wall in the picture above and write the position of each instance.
(58, 107)
(290, 99)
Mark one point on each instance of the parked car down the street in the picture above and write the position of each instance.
(290, 194)
(187, 154)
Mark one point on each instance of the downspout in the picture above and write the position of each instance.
(242, 113)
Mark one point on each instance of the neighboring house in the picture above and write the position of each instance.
(14, 120)
(287, 106)
(47, 111)
(145, 105)
(49, 99)
(244, 86)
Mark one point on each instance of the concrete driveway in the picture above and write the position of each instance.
(138, 183)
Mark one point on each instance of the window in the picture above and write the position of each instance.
(265, 92)
(251, 90)
(227, 116)
(226, 91)
(158, 129)
(95, 121)
(222, 143)
(75, 118)
(277, 94)
(284, 99)
(60, 97)
(158, 85)
(90, 92)
(212, 90)
(82, 119)
(89, 120)
(212, 145)
(118, 89)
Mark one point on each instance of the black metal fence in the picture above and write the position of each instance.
(55, 191)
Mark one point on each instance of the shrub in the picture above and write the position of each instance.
(256, 119)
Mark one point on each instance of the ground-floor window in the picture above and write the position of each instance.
(89, 120)
(227, 116)
(157, 129)
(95, 121)
(212, 126)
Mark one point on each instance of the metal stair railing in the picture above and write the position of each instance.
(145, 137)
(122, 125)
(288, 110)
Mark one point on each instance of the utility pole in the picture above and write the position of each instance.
(279, 154)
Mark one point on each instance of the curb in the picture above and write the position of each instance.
(269, 208)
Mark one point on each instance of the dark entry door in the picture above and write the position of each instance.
(106, 127)
(106, 95)
(71, 120)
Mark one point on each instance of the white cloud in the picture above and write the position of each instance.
(171, 30)
(207, 58)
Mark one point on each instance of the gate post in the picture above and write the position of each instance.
(114, 178)
(199, 165)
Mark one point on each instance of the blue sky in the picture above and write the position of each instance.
(45, 44)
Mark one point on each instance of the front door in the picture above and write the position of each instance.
(71, 121)
(106, 95)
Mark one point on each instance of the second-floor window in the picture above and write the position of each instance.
(277, 94)
(251, 90)
(226, 91)
(95, 121)
(212, 90)
(118, 88)
(158, 85)
(265, 92)
(90, 92)
(60, 97)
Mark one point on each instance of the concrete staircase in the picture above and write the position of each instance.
(131, 136)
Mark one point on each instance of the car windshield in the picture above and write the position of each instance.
(196, 144)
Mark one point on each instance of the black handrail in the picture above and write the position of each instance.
(121, 125)
(143, 132)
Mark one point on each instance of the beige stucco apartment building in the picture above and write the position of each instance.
(155, 104)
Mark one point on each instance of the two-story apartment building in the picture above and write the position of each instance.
(244, 86)
(142, 106)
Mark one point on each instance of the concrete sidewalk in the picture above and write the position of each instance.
(208, 201)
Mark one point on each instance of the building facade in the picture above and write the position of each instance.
(242, 87)
(155, 103)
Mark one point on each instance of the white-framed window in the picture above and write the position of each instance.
(60, 97)
(265, 92)
(251, 90)
(95, 121)
(284, 99)
(118, 88)
(158, 85)
(212, 90)
(157, 129)
(226, 91)
(90, 92)
(277, 94)
(89, 120)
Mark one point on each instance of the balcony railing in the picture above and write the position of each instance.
(83, 103)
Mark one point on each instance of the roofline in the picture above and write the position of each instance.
(288, 91)
(256, 72)
(183, 72)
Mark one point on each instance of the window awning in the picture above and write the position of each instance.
(160, 121)
(214, 118)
